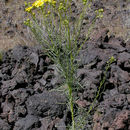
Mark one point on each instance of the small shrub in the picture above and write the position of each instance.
(53, 28)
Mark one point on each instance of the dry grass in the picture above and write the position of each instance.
(12, 30)
(7, 43)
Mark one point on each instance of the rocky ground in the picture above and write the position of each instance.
(12, 15)
(28, 78)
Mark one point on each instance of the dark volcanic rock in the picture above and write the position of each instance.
(46, 104)
(19, 52)
(124, 61)
(7, 85)
(122, 121)
(27, 77)
(19, 96)
(4, 125)
(28, 123)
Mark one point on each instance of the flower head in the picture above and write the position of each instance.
(99, 13)
(61, 7)
(53, 2)
(29, 9)
(38, 3)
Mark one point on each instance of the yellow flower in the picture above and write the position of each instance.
(53, 2)
(38, 3)
(28, 9)
(27, 22)
(26, 4)
(47, 1)
(50, 1)
(66, 22)
(84, 2)
(112, 59)
(61, 7)
(48, 12)
(101, 10)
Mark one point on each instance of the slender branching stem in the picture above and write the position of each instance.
(71, 105)
(61, 38)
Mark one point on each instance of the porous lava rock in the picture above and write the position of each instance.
(27, 83)
(28, 78)
(46, 104)
(26, 74)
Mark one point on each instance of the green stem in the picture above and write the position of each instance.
(80, 20)
(71, 105)
(100, 86)
(69, 40)
(88, 34)
(60, 27)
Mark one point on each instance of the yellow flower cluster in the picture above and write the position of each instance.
(28, 9)
(111, 60)
(84, 1)
(40, 3)
(61, 7)
(28, 22)
(99, 13)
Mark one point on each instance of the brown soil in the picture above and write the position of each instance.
(12, 29)
(12, 15)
